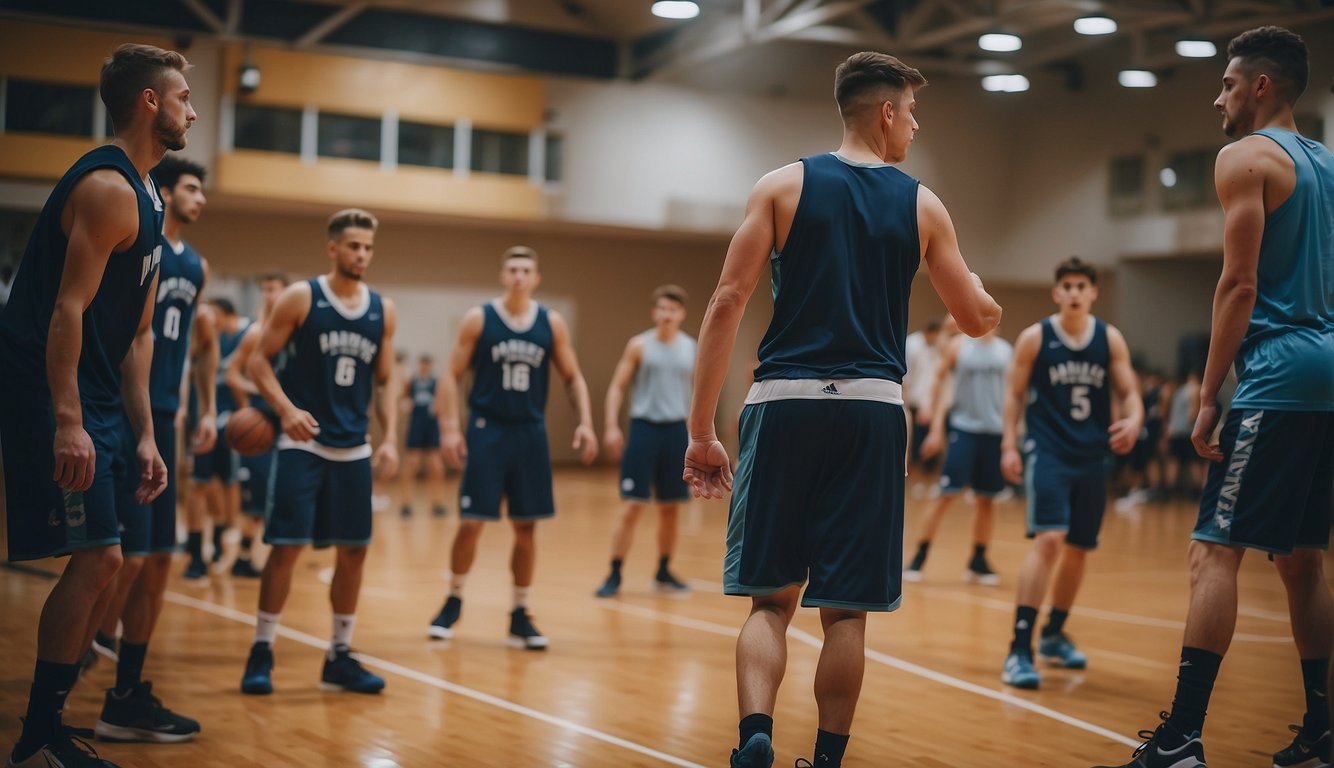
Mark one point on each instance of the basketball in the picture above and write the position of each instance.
(250, 432)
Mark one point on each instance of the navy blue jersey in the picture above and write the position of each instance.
(227, 345)
(112, 319)
(330, 365)
(511, 368)
(423, 395)
(841, 283)
(179, 281)
(1069, 395)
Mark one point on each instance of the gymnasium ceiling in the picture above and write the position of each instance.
(752, 46)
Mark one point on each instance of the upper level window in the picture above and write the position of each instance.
(34, 107)
(1125, 194)
(274, 129)
(349, 136)
(1187, 179)
(425, 144)
(500, 152)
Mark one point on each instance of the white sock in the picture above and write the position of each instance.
(343, 623)
(266, 627)
(520, 596)
(456, 582)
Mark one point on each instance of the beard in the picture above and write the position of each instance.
(168, 133)
(1241, 124)
(348, 273)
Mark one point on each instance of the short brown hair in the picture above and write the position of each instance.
(128, 71)
(674, 292)
(1077, 266)
(1276, 52)
(351, 217)
(275, 277)
(870, 74)
(518, 252)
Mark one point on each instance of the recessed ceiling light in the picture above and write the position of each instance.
(1196, 49)
(676, 9)
(1005, 83)
(1137, 78)
(999, 41)
(1095, 25)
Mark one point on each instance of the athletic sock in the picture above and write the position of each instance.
(246, 543)
(266, 627)
(194, 544)
(919, 559)
(343, 624)
(1195, 682)
(1025, 616)
(1315, 679)
(218, 531)
(1055, 622)
(130, 666)
(979, 553)
(753, 724)
(829, 748)
(456, 583)
(51, 683)
(520, 597)
(663, 573)
(616, 564)
(106, 641)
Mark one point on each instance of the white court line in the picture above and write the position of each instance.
(436, 682)
(889, 661)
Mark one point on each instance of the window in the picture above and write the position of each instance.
(1126, 193)
(349, 136)
(1187, 180)
(555, 157)
(500, 152)
(423, 144)
(273, 129)
(65, 110)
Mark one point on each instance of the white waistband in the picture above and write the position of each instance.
(355, 453)
(880, 390)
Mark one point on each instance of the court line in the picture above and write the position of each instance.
(437, 682)
(889, 661)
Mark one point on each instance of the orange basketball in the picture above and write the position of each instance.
(250, 432)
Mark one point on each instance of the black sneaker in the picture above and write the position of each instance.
(105, 646)
(70, 749)
(439, 510)
(258, 677)
(244, 569)
(344, 673)
(913, 573)
(442, 628)
(1304, 752)
(523, 634)
(196, 573)
(979, 572)
(666, 582)
(610, 587)
(138, 715)
(1167, 748)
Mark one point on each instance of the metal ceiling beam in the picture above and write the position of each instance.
(796, 22)
(335, 20)
(777, 8)
(233, 18)
(205, 15)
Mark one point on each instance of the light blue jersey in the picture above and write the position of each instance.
(1286, 360)
(979, 386)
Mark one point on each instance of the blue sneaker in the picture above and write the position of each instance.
(1019, 672)
(258, 677)
(758, 753)
(1061, 651)
(345, 673)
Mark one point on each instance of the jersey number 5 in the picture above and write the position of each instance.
(1080, 405)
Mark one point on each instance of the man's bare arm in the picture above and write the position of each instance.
(447, 388)
(291, 310)
(1125, 385)
(385, 459)
(1016, 392)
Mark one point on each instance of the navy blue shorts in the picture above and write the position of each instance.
(972, 461)
(1272, 490)
(1069, 497)
(220, 463)
(149, 529)
(254, 476)
(818, 497)
(43, 520)
(653, 461)
(1183, 449)
(423, 432)
(510, 460)
(314, 500)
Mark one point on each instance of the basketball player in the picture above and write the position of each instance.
(660, 363)
(339, 337)
(423, 438)
(76, 343)
(1184, 472)
(828, 382)
(975, 412)
(1269, 486)
(214, 493)
(922, 353)
(148, 533)
(510, 344)
(1061, 371)
(254, 471)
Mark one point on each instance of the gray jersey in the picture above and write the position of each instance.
(979, 386)
(1180, 423)
(661, 390)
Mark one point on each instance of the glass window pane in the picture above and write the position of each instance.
(555, 157)
(423, 144)
(349, 136)
(34, 107)
(500, 152)
(1126, 193)
(273, 129)
(1187, 180)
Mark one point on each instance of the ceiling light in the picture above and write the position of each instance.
(999, 41)
(676, 9)
(1196, 49)
(1005, 83)
(1095, 25)
(1167, 177)
(1137, 78)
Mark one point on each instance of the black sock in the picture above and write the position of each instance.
(51, 683)
(753, 724)
(246, 543)
(130, 668)
(1024, 619)
(829, 749)
(194, 544)
(106, 641)
(1315, 678)
(1195, 682)
(662, 565)
(616, 564)
(218, 531)
(1055, 622)
(979, 552)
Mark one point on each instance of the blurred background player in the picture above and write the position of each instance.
(423, 444)
(1184, 473)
